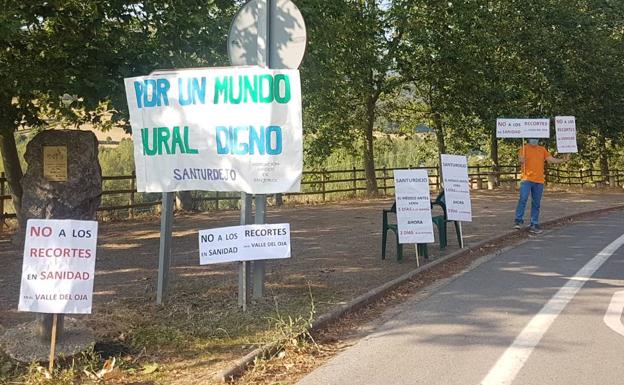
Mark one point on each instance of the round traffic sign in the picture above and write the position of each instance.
(287, 35)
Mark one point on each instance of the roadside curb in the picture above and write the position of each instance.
(238, 367)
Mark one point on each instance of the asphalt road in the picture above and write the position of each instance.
(533, 315)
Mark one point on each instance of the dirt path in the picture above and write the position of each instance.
(336, 251)
(337, 246)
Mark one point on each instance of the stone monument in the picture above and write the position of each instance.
(63, 181)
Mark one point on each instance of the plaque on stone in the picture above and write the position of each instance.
(55, 163)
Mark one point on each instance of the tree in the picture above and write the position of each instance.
(87, 48)
(350, 64)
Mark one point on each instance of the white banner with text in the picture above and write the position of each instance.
(456, 187)
(59, 266)
(522, 128)
(565, 126)
(218, 129)
(244, 243)
(413, 206)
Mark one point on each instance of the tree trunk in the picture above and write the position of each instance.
(184, 201)
(494, 150)
(494, 156)
(604, 156)
(439, 130)
(369, 156)
(12, 166)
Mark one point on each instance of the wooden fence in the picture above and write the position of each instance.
(120, 198)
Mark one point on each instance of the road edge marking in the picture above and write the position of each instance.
(613, 315)
(507, 367)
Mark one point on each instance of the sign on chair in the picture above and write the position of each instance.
(413, 206)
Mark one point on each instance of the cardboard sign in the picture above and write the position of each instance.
(55, 163)
(565, 126)
(413, 205)
(59, 266)
(456, 187)
(522, 128)
(219, 129)
(244, 243)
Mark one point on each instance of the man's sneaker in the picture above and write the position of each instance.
(518, 225)
(535, 229)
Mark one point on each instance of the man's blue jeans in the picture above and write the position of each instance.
(536, 190)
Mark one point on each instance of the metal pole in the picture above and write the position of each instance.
(246, 218)
(417, 259)
(259, 266)
(164, 255)
(461, 235)
(265, 10)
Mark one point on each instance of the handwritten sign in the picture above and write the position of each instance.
(413, 205)
(218, 129)
(59, 266)
(565, 126)
(522, 128)
(456, 187)
(244, 243)
(55, 163)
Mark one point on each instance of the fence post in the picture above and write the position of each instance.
(323, 179)
(354, 181)
(133, 189)
(385, 186)
(217, 201)
(437, 179)
(582, 180)
(591, 177)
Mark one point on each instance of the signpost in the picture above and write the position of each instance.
(565, 128)
(413, 206)
(225, 129)
(266, 33)
(456, 190)
(58, 269)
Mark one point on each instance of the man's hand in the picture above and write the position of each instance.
(563, 159)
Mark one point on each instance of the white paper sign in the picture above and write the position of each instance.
(218, 129)
(244, 243)
(565, 126)
(59, 266)
(413, 205)
(522, 128)
(456, 187)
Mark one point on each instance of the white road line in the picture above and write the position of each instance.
(509, 364)
(613, 316)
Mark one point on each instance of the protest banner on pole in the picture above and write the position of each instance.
(456, 187)
(565, 127)
(217, 129)
(244, 243)
(522, 128)
(58, 267)
(413, 205)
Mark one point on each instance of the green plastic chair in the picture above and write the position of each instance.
(387, 226)
(441, 220)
